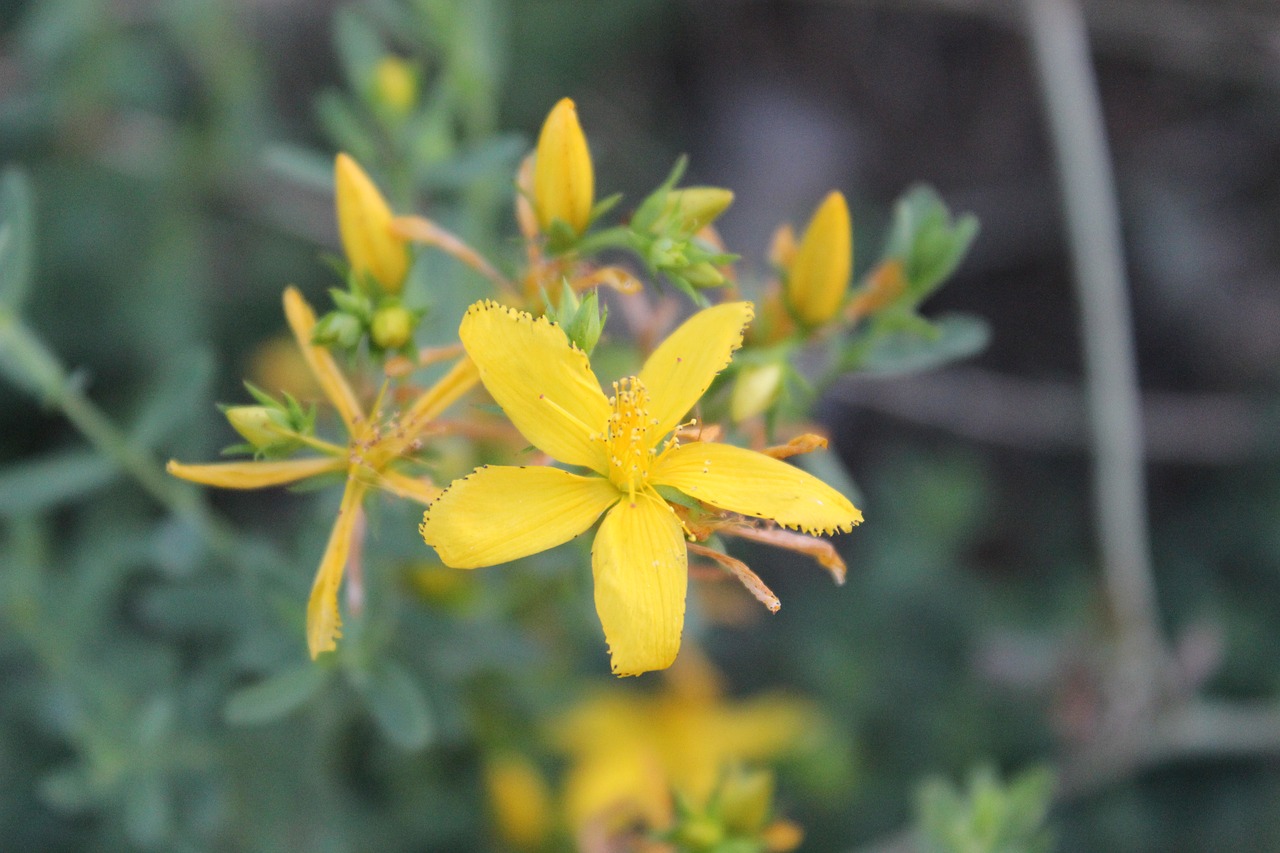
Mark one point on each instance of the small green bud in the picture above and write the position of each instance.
(703, 274)
(255, 424)
(666, 253)
(699, 832)
(338, 329)
(755, 389)
(746, 799)
(392, 326)
(587, 323)
(691, 209)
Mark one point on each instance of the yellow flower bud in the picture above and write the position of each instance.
(693, 208)
(364, 221)
(563, 179)
(818, 278)
(755, 390)
(519, 800)
(392, 327)
(254, 423)
(395, 84)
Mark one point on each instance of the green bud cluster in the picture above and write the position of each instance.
(387, 323)
(734, 819)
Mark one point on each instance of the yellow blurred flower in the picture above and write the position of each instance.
(519, 800)
(628, 750)
(818, 274)
(364, 222)
(563, 177)
(276, 366)
(395, 84)
(375, 444)
(547, 389)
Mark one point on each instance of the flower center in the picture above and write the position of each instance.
(628, 443)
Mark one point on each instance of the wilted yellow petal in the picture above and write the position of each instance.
(255, 475)
(819, 276)
(502, 513)
(641, 574)
(751, 483)
(544, 384)
(680, 370)
(409, 488)
(324, 626)
(563, 178)
(302, 320)
(364, 221)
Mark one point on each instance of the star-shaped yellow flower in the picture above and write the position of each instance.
(639, 560)
(374, 444)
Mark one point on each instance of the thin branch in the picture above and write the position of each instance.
(1060, 48)
(1048, 416)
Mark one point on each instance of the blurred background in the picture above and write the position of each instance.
(178, 154)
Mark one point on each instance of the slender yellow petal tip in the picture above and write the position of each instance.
(563, 177)
(818, 277)
(254, 475)
(324, 624)
(364, 221)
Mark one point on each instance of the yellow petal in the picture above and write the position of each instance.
(255, 475)
(819, 276)
(751, 483)
(364, 221)
(302, 320)
(502, 513)
(543, 383)
(680, 370)
(324, 626)
(563, 178)
(409, 488)
(641, 574)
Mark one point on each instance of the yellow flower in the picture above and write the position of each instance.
(639, 559)
(364, 221)
(374, 445)
(818, 276)
(563, 179)
(628, 750)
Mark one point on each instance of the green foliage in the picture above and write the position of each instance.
(987, 816)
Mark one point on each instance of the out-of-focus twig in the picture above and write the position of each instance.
(1060, 49)
(1048, 416)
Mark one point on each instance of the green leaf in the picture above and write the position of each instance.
(359, 48)
(178, 396)
(17, 238)
(951, 338)
(276, 696)
(58, 478)
(397, 704)
(307, 168)
(926, 240)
